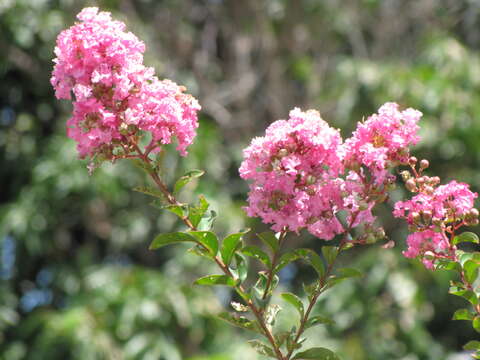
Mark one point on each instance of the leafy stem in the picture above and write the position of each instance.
(257, 312)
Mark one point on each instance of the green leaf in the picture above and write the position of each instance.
(230, 244)
(310, 289)
(470, 268)
(295, 301)
(472, 345)
(269, 238)
(466, 294)
(240, 321)
(317, 354)
(318, 320)
(286, 259)
(448, 265)
(466, 236)
(476, 323)
(241, 269)
(329, 253)
(215, 280)
(185, 179)
(151, 191)
(171, 238)
(261, 348)
(257, 253)
(207, 220)
(180, 210)
(343, 274)
(207, 239)
(143, 165)
(313, 259)
(196, 213)
(463, 314)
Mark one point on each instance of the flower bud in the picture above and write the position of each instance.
(428, 190)
(474, 213)
(416, 217)
(410, 185)
(282, 153)
(311, 180)
(424, 164)
(405, 175)
(370, 239)
(380, 233)
(412, 160)
(435, 180)
(427, 216)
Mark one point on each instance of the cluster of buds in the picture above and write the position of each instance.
(434, 214)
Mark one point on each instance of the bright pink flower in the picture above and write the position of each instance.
(295, 169)
(427, 245)
(447, 203)
(115, 95)
(382, 141)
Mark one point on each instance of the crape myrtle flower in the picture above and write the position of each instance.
(116, 99)
(434, 214)
(302, 175)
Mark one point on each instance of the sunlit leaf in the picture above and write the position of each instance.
(215, 280)
(295, 301)
(317, 354)
(171, 238)
(185, 179)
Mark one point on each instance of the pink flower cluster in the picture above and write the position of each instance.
(303, 176)
(117, 98)
(383, 140)
(434, 214)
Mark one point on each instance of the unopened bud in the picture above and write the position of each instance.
(424, 164)
(416, 217)
(282, 153)
(370, 239)
(474, 213)
(380, 233)
(311, 180)
(405, 175)
(474, 222)
(410, 185)
(427, 216)
(362, 205)
(435, 180)
(412, 160)
(421, 180)
(428, 190)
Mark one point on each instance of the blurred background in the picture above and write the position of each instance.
(76, 278)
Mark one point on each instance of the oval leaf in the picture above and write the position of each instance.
(317, 354)
(171, 238)
(472, 345)
(207, 239)
(255, 252)
(269, 238)
(313, 259)
(295, 301)
(466, 236)
(318, 320)
(463, 314)
(262, 348)
(185, 179)
(215, 280)
(240, 321)
(230, 244)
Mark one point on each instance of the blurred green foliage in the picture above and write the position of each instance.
(76, 278)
